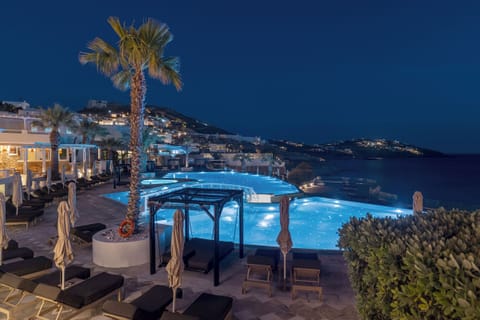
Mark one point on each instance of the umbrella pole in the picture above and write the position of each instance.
(174, 298)
(63, 278)
(284, 271)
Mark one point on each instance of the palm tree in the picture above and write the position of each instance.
(139, 51)
(54, 118)
(89, 129)
(112, 145)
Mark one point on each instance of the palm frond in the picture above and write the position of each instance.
(155, 35)
(168, 72)
(121, 80)
(117, 27)
(103, 55)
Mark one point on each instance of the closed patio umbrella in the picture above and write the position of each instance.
(175, 266)
(417, 202)
(3, 230)
(75, 171)
(284, 239)
(49, 179)
(72, 202)
(28, 186)
(94, 168)
(17, 194)
(62, 253)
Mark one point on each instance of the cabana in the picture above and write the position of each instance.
(203, 198)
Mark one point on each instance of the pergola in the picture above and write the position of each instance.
(204, 198)
(46, 145)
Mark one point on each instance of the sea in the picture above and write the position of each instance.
(452, 181)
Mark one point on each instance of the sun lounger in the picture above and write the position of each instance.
(79, 297)
(305, 273)
(149, 306)
(260, 268)
(28, 268)
(71, 272)
(85, 233)
(13, 252)
(206, 307)
(19, 286)
(11, 209)
(25, 219)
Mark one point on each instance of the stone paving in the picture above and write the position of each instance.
(337, 302)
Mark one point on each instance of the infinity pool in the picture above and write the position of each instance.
(314, 221)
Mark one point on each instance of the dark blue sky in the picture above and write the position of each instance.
(310, 71)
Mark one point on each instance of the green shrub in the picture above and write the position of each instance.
(422, 266)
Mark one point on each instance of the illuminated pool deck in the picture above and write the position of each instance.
(314, 221)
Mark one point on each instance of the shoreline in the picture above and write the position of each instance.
(447, 181)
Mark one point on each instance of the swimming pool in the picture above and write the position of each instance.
(259, 183)
(314, 221)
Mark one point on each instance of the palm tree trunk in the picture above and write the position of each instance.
(137, 96)
(54, 141)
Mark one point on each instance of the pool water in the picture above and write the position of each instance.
(314, 221)
(259, 183)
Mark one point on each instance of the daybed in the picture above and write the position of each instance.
(149, 306)
(198, 254)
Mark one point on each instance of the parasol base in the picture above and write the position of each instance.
(119, 253)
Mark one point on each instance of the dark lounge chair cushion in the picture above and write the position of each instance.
(17, 282)
(22, 217)
(306, 263)
(262, 260)
(274, 253)
(304, 255)
(210, 307)
(167, 315)
(25, 267)
(24, 253)
(90, 290)
(73, 271)
(149, 306)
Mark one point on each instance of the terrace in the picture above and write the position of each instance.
(337, 301)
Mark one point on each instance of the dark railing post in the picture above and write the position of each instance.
(241, 231)
(216, 256)
(152, 239)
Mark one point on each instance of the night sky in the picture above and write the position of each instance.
(308, 71)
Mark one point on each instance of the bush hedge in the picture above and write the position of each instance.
(420, 266)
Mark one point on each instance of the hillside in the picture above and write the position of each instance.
(289, 150)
